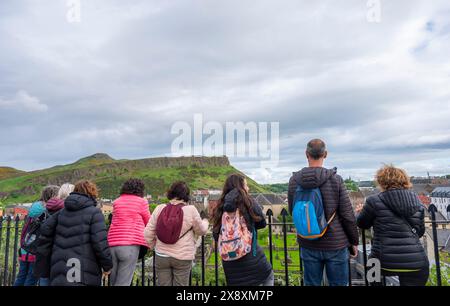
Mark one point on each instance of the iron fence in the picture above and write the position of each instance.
(145, 275)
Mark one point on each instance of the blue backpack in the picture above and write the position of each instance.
(308, 213)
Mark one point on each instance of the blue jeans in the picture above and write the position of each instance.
(44, 282)
(25, 276)
(335, 263)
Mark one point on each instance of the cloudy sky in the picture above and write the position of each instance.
(117, 81)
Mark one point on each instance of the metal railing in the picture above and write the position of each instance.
(145, 275)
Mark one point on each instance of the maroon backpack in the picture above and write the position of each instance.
(169, 224)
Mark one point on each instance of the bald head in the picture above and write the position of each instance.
(316, 149)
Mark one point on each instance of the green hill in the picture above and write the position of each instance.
(7, 172)
(109, 174)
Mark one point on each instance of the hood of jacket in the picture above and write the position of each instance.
(36, 209)
(54, 204)
(77, 201)
(231, 197)
(310, 178)
(402, 202)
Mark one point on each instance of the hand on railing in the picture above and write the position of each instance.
(359, 207)
(353, 251)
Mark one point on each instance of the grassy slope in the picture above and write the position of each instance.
(110, 174)
(7, 172)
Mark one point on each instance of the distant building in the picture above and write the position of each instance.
(423, 189)
(205, 200)
(270, 201)
(368, 191)
(366, 184)
(20, 210)
(213, 201)
(440, 197)
(425, 200)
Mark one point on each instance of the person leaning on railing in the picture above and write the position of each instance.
(76, 240)
(181, 221)
(126, 233)
(397, 218)
(252, 269)
(330, 252)
(27, 261)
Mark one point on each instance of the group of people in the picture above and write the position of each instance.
(73, 246)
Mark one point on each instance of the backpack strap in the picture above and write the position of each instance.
(186, 232)
(254, 240)
(332, 217)
(337, 191)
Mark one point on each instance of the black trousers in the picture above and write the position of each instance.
(417, 278)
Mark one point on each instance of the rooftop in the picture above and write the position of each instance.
(441, 192)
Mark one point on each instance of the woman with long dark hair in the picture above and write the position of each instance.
(238, 215)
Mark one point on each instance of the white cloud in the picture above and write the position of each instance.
(23, 101)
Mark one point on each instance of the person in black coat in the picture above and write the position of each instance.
(397, 218)
(253, 269)
(76, 240)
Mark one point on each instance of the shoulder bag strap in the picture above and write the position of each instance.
(413, 230)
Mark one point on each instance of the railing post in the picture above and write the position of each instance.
(154, 268)
(8, 234)
(270, 215)
(16, 242)
(286, 271)
(203, 261)
(349, 272)
(1, 231)
(216, 263)
(432, 209)
(363, 240)
(143, 271)
(301, 264)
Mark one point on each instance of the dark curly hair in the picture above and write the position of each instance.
(133, 186)
(179, 190)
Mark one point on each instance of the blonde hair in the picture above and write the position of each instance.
(65, 190)
(390, 177)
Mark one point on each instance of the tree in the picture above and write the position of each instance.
(351, 185)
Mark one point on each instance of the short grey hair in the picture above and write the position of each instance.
(65, 190)
(316, 149)
(50, 191)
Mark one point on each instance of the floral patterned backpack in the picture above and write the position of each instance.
(235, 239)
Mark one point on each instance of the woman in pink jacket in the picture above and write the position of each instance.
(126, 233)
(173, 260)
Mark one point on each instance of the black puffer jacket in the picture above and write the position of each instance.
(76, 232)
(249, 270)
(342, 231)
(394, 243)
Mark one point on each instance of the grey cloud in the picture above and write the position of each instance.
(117, 81)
